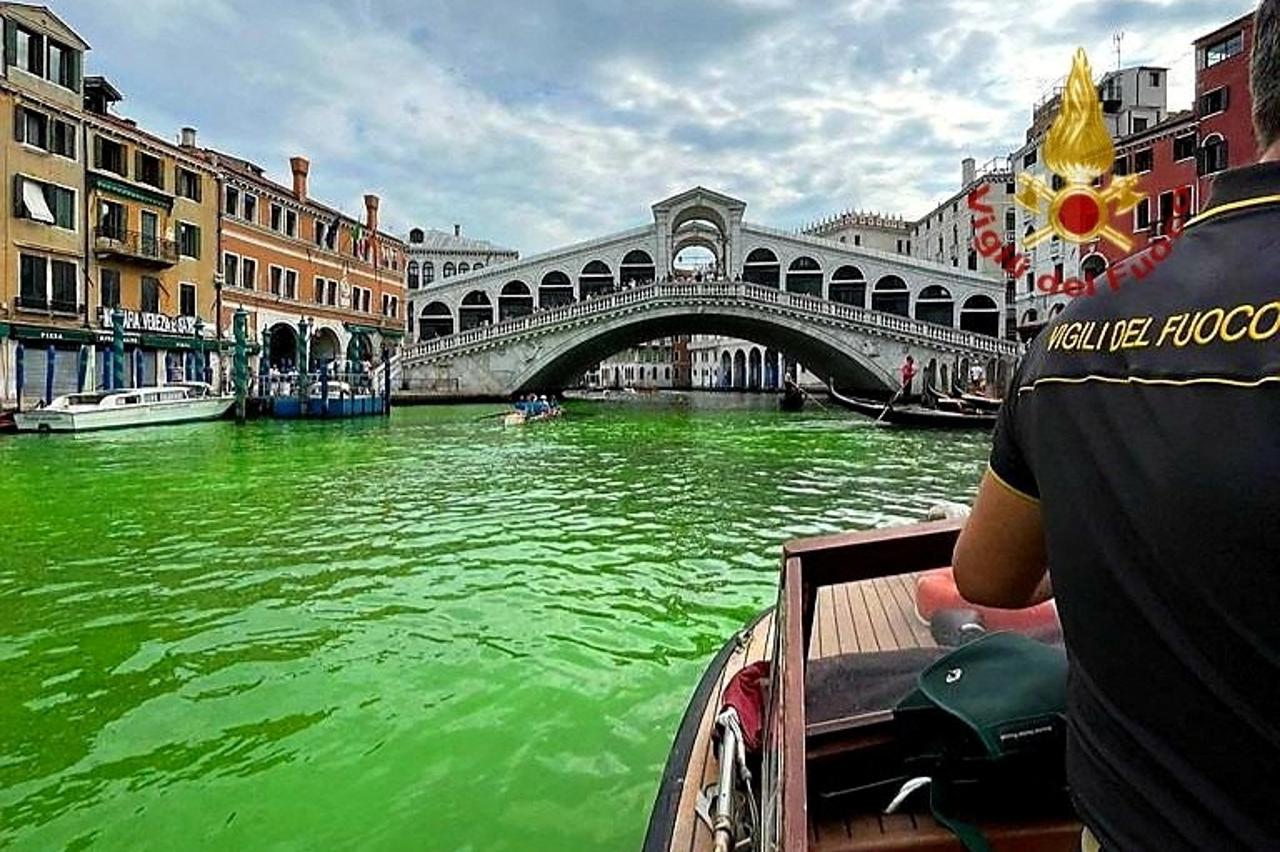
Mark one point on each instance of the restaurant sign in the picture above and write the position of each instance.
(135, 321)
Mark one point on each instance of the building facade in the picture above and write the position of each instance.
(304, 271)
(44, 306)
(873, 231)
(1224, 101)
(436, 256)
(153, 246)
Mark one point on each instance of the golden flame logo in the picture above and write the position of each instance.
(1079, 149)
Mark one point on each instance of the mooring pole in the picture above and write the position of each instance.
(241, 368)
(386, 381)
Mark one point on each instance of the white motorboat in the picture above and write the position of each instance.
(82, 412)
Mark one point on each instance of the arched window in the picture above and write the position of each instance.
(413, 275)
(477, 267)
(476, 311)
(1213, 155)
(637, 268)
(762, 267)
(515, 301)
(449, 270)
(435, 320)
(891, 296)
(595, 279)
(556, 290)
(981, 315)
(464, 268)
(804, 277)
(1093, 266)
(849, 287)
(935, 305)
(428, 272)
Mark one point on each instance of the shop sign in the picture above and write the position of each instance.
(137, 321)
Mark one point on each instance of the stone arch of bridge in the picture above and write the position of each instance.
(848, 361)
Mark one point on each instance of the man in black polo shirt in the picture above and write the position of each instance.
(1139, 456)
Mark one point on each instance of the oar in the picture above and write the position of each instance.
(890, 403)
(493, 414)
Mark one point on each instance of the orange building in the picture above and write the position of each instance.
(298, 266)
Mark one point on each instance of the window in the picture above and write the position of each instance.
(1139, 124)
(188, 184)
(1214, 102)
(250, 208)
(109, 155)
(277, 217)
(31, 127)
(26, 51)
(33, 272)
(413, 275)
(230, 269)
(291, 223)
(1213, 157)
(464, 268)
(149, 170)
(368, 297)
(1142, 161)
(275, 280)
(857, 239)
(291, 284)
(1122, 165)
(1142, 215)
(395, 307)
(150, 295)
(64, 66)
(1010, 219)
(1224, 50)
(333, 292)
(1030, 159)
(248, 273)
(231, 202)
(973, 259)
(44, 202)
(1155, 78)
(1166, 211)
(1184, 147)
(319, 233)
(187, 300)
(319, 291)
(188, 240)
(448, 270)
(109, 288)
(428, 272)
(899, 246)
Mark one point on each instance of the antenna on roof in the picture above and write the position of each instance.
(1118, 38)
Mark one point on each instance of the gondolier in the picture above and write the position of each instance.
(1137, 454)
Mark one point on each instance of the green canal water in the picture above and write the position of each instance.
(422, 633)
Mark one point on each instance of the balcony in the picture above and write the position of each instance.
(45, 305)
(135, 246)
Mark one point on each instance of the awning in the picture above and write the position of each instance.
(358, 328)
(4, 329)
(33, 200)
(52, 335)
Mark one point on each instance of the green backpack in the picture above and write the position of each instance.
(986, 726)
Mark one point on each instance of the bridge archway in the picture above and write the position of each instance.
(637, 269)
(572, 355)
(804, 276)
(892, 296)
(762, 267)
(435, 320)
(515, 301)
(595, 279)
(476, 310)
(849, 287)
(981, 315)
(936, 305)
(555, 291)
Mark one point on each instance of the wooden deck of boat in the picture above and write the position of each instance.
(875, 615)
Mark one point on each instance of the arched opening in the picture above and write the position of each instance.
(476, 310)
(325, 347)
(637, 269)
(464, 268)
(891, 296)
(981, 315)
(740, 370)
(1057, 309)
(556, 290)
(428, 272)
(596, 279)
(726, 370)
(1214, 155)
(849, 287)
(935, 305)
(696, 259)
(360, 348)
(477, 267)
(413, 275)
(804, 277)
(1031, 317)
(435, 320)
(755, 370)
(515, 301)
(283, 351)
(772, 370)
(1093, 266)
(449, 270)
(762, 267)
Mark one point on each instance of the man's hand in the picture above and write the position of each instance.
(1000, 558)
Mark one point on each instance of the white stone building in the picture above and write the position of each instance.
(436, 256)
(890, 234)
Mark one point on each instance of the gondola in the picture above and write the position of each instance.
(846, 605)
(915, 416)
(792, 397)
(978, 401)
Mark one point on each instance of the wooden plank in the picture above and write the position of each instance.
(879, 622)
(867, 639)
(898, 622)
(904, 592)
(829, 645)
(794, 793)
(848, 635)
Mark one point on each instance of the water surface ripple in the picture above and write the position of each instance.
(427, 633)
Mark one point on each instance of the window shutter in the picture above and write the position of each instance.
(137, 164)
(19, 210)
(1226, 97)
(74, 60)
(97, 151)
(37, 55)
(10, 42)
(19, 125)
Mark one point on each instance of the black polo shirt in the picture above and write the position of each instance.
(1146, 421)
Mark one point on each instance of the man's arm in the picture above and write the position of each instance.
(1000, 559)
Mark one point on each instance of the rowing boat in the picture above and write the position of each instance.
(915, 416)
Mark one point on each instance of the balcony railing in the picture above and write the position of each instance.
(44, 305)
(135, 245)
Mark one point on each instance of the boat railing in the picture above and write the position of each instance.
(284, 384)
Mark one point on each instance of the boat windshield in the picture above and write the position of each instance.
(85, 398)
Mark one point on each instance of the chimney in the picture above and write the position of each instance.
(968, 171)
(301, 167)
(371, 212)
(188, 137)
(457, 230)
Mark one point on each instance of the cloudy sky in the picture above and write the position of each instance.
(540, 122)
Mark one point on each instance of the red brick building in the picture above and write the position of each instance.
(1224, 104)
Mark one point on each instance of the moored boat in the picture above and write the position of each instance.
(839, 641)
(149, 406)
(916, 416)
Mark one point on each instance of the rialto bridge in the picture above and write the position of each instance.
(852, 313)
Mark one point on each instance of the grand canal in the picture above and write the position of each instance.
(427, 633)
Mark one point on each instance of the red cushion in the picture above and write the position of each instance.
(936, 591)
